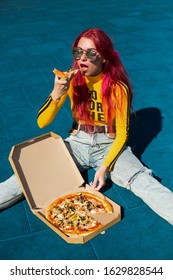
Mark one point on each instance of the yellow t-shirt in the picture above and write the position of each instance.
(50, 109)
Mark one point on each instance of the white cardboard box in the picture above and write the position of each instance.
(46, 171)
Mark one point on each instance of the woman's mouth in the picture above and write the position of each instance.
(83, 68)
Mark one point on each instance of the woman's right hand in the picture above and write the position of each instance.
(61, 86)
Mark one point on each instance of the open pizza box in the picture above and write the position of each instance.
(46, 171)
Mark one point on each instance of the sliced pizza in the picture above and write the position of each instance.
(71, 213)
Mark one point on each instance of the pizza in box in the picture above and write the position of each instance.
(72, 213)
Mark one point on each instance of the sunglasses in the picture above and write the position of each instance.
(91, 54)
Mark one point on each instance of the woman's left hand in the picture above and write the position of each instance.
(99, 178)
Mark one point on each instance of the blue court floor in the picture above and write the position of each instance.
(35, 37)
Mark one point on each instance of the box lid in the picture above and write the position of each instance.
(44, 168)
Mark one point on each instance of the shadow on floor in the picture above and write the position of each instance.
(145, 125)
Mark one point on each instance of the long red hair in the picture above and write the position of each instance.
(113, 73)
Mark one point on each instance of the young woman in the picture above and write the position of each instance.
(100, 94)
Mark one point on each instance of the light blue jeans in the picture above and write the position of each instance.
(89, 151)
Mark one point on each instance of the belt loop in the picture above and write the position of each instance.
(78, 127)
(106, 128)
(94, 130)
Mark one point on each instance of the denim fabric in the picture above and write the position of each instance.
(90, 150)
(10, 192)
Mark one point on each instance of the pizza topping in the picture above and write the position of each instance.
(71, 213)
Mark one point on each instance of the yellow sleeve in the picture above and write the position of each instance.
(122, 126)
(48, 111)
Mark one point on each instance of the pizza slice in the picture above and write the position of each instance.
(64, 75)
